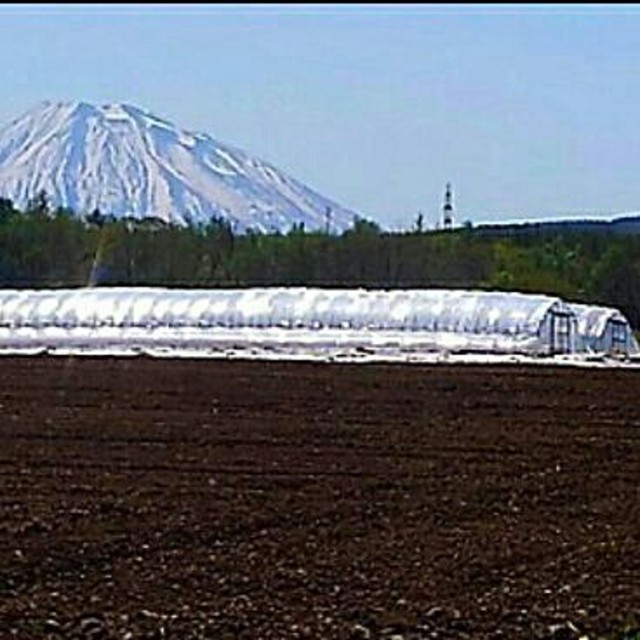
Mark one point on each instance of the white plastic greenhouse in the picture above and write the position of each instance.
(603, 330)
(302, 318)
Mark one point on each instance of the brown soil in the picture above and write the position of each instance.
(206, 499)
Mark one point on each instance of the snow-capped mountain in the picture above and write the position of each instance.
(125, 161)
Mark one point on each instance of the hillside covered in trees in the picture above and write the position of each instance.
(44, 247)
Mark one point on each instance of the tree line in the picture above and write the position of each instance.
(43, 247)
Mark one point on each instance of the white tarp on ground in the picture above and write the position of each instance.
(427, 320)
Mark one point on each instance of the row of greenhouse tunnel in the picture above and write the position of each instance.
(463, 320)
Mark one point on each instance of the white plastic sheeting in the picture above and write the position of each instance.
(603, 330)
(454, 320)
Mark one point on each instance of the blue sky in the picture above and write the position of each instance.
(530, 111)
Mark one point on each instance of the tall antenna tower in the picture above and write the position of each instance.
(327, 220)
(447, 209)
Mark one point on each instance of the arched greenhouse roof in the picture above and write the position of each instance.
(592, 322)
(592, 319)
(443, 310)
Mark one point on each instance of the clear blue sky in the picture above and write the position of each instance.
(530, 111)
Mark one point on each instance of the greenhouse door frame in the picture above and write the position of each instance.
(619, 337)
(560, 332)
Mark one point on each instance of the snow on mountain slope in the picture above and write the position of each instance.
(125, 161)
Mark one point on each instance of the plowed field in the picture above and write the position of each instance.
(181, 499)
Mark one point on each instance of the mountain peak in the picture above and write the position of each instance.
(125, 161)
